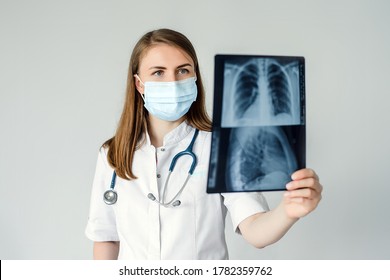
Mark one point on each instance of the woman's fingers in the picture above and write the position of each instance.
(303, 193)
(308, 193)
(310, 183)
(304, 173)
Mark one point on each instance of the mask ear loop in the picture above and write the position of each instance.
(137, 77)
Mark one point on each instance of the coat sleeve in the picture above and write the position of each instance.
(101, 225)
(242, 205)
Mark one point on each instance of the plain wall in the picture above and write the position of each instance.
(63, 68)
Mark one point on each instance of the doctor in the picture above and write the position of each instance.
(158, 214)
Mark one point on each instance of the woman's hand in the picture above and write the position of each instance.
(303, 193)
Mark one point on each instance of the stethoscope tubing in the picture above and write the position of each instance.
(189, 152)
(111, 196)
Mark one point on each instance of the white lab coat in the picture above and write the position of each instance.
(146, 230)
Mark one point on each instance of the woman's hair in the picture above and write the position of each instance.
(132, 126)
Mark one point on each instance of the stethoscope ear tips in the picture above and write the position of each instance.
(176, 203)
(151, 197)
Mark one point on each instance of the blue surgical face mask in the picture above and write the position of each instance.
(169, 101)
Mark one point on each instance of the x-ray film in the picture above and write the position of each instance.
(259, 132)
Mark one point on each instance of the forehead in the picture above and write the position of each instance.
(164, 55)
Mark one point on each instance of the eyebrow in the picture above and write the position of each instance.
(164, 68)
(157, 67)
(184, 65)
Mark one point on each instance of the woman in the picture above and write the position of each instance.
(161, 217)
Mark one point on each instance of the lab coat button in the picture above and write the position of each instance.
(158, 175)
(162, 149)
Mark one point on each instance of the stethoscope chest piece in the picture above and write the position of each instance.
(110, 197)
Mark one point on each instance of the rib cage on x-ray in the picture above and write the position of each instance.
(261, 92)
(259, 132)
(258, 158)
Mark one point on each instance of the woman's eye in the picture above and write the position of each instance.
(183, 71)
(158, 73)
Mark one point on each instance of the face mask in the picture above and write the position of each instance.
(169, 101)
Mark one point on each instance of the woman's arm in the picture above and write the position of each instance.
(302, 197)
(107, 250)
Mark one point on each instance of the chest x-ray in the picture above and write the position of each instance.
(258, 123)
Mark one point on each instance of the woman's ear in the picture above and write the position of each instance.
(138, 84)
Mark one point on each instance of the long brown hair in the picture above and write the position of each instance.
(132, 125)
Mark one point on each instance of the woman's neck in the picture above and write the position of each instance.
(157, 129)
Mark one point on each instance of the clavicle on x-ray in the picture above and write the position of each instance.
(261, 92)
(259, 131)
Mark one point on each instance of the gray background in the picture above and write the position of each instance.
(63, 72)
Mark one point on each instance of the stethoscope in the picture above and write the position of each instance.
(111, 196)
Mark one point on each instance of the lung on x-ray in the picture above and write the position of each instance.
(259, 135)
